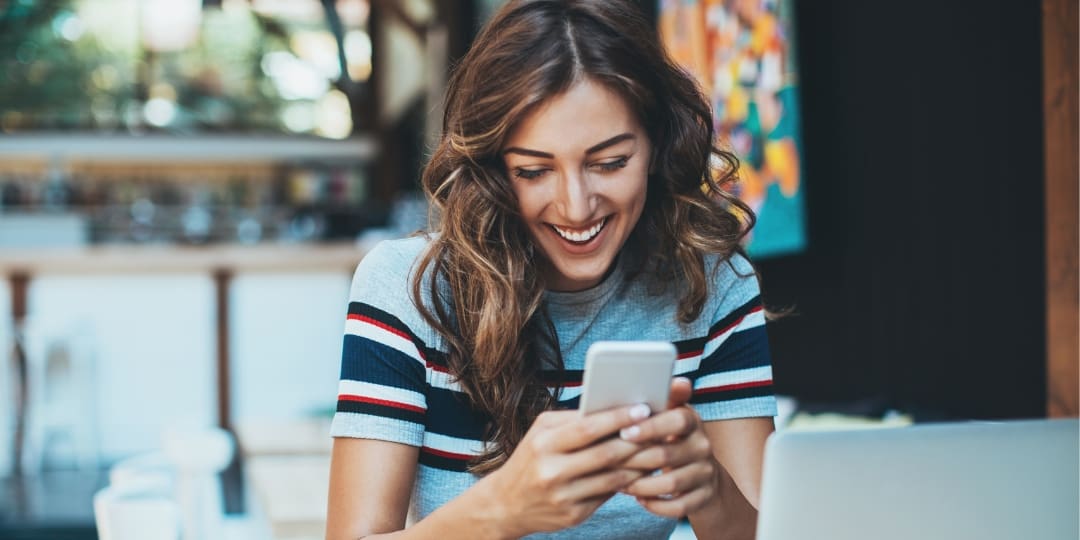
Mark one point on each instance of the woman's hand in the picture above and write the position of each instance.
(676, 446)
(565, 467)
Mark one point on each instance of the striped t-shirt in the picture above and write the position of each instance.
(395, 386)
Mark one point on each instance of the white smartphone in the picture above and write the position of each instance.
(621, 373)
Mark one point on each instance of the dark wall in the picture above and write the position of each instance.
(923, 286)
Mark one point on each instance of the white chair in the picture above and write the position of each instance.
(61, 416)
(198, 456)
(136, 510)
(173, 494)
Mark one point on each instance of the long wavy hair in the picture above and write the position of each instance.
(480, 267)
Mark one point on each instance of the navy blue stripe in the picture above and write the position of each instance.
(741, 350)
(732, 395)
(369, 361)
(449, 414)
(739, 313)
(550, 377)
(435, 357)
(444, 463)
(694, 345)
(385, 411)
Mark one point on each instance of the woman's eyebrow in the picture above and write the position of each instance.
(610, 142)
(527, 152)
(592, 149)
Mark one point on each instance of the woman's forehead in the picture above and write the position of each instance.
(575, 120)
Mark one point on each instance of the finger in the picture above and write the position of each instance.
(669, 455)
(581, 431)
(681, 480)
(604, 483)
(677, 507)
(681, 391)
(677, 422)
(608, 454)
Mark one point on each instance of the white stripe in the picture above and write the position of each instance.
(688, 364)
(454, 445)
(379, 391)
(382, 336)
(440, 379)
(752, 320)
(739, 408)
(762, 373)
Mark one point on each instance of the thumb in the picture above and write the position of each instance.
(681, 390)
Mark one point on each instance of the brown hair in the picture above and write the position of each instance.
(480, 267)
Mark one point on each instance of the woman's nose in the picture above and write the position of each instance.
(576, 198)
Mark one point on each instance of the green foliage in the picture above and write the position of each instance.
(47, 81)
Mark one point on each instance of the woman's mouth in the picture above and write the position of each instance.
(580, 236)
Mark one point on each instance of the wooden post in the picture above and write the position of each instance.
(1059, 18)
(20, 283)
(222, 279)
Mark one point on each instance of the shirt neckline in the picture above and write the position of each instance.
(595, 293)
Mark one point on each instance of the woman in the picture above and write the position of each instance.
(569, 208)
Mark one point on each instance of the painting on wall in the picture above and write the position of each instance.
(742, 52)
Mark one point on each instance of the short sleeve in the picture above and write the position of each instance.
(734, 379)
(382, 390)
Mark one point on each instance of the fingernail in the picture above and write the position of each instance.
(639, 411)
(629, 433)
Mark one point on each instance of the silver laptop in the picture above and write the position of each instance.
(1014, 480)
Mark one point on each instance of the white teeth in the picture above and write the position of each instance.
(582, 236)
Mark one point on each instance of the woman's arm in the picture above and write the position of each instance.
(562, 471)
(738, 447)
(711, 472)
(371, 483)
(357, 509)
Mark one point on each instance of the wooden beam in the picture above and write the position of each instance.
(1059, 19)
(20, 284)
(222, 280)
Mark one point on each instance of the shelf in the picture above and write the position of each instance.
(202, 149)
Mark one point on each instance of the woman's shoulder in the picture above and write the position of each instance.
(733, 282)
(734, 266)
(396, 252)
(383, 276)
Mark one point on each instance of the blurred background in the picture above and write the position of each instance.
(186, 186)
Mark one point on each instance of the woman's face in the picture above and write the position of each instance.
(579, 164)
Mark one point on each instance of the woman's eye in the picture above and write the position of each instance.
(529, 174)
(609, 166)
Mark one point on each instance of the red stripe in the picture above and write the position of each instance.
(394, 404)
(689, 354)
(729, 387)
(388, 328)
(569, 384)
(736, 323)
(379, 324)
(445, 454)
(440, 369)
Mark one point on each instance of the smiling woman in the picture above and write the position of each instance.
(579, 198)
(575, 201)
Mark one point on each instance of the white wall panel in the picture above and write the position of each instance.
(154, 350)
(286, 343)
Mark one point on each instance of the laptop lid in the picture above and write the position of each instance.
(958, 481)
